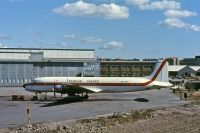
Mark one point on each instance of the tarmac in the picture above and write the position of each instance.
(14, 113)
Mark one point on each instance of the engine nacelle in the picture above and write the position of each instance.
(59, 87)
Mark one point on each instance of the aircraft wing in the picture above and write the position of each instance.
(91, 88)
(78, 89)
(157, 84)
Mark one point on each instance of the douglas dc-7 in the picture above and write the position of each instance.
(84, 85)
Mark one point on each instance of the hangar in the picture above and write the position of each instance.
(22, 65)
(183, 70)
(197, 69)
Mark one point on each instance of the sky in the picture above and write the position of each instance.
(114, 28)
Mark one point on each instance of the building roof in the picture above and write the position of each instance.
(36, 54)
(176, 68)
(4, 49)
(127, 61)
(195, 68)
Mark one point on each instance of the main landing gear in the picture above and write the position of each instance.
(85, 96)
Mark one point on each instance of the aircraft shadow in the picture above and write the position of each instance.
(75, 99)
(108, 99)
(141, 100)
(66, 100)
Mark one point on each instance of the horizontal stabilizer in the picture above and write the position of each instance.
(92, 88)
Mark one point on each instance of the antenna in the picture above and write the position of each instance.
(41, 46)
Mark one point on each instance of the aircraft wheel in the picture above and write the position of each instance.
(86, 97)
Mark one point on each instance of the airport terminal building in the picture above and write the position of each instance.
(22, 65)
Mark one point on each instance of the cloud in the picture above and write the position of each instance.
(139, 3)
(35, 33)
(65, 45)
(177, 23)
(3, 46)
(105, 11)
(173, 22)
(95, 40)
(89, 39)
(4, 36)
(155, 5)
(163, 5)
(112, 45)
(195, 28)
(92, 40)
(179, 13)
(72, 36)
(172, 10)
(57, 45)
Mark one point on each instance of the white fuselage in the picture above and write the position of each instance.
(158, 78)
(99, 84)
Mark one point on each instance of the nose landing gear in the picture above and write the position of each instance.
(86, 97)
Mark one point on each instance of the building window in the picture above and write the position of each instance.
(25, 80)
(21, 81)
(29, 80)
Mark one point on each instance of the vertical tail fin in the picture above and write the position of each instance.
(160, 72)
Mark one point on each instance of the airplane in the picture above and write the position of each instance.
(84, 85)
